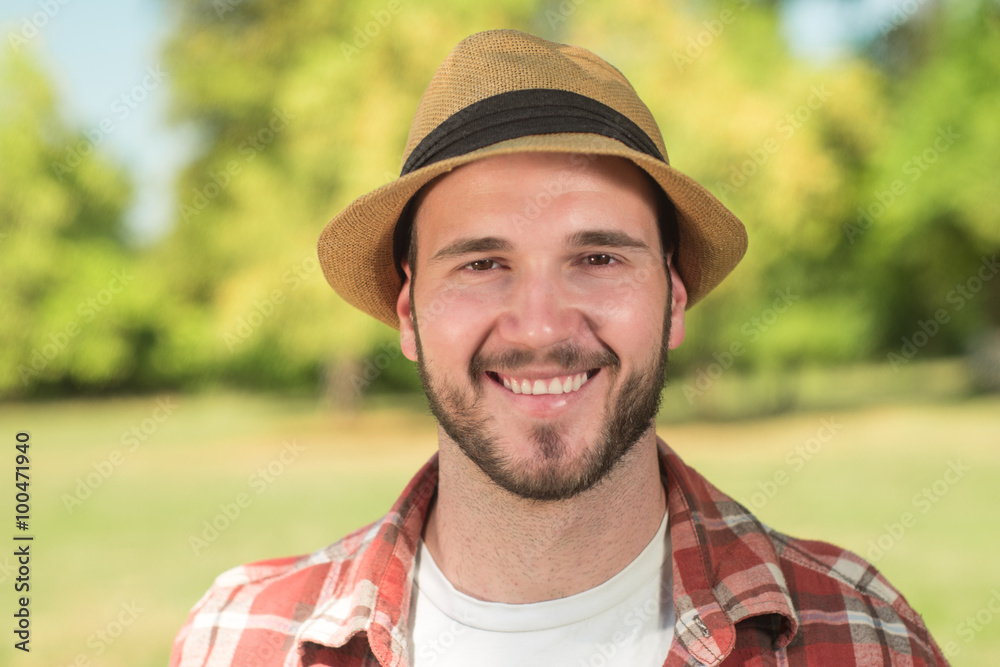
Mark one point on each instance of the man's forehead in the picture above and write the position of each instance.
(454, 194)
(534, 180)
(556, 169)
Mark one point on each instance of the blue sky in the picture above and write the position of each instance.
(95, 51)
(98, 50)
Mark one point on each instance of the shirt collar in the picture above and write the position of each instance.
(368, 587)
(725, 570)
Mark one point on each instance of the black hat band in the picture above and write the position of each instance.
(520, 113)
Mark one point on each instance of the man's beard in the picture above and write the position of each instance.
(627, 419)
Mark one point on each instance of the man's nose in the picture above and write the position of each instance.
(541, 311)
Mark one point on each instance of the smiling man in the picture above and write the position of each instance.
(538, 254)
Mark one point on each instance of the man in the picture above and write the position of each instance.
(537, 255)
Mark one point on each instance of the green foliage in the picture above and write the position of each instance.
(72, 316)
(941, 154)
(867, 185)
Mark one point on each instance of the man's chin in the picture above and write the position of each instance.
(547, 473)
(543, 486)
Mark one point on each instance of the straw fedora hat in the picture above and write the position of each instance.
(504, 91)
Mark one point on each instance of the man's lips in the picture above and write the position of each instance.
(558, 384)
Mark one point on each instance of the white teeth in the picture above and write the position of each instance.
(555, 385)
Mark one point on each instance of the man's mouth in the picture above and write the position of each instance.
(559, 384)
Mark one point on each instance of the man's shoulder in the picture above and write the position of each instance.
(278, 594)
(849, 571)
(275, 571)
(806, 565)
(839, 594)
(817, 601)
(277, 586)
(358, 583)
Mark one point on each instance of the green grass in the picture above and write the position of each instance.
(129, 542)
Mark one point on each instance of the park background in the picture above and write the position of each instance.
(169, 342)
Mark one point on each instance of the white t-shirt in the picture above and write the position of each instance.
(627, 620)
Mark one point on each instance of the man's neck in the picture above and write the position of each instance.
(495, 546)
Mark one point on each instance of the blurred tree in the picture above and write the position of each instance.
(867, 186)
(72, 313)
(304, 106)
(928, 218)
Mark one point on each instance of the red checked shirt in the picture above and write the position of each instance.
(743, 595)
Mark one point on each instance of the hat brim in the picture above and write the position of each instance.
(356, 246)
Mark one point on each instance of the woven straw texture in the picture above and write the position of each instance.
(355, 248)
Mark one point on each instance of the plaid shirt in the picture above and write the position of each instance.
(743, 595)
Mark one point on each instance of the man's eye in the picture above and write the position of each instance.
(481, 265)
(599, 259)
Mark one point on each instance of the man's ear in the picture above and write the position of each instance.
(404, 309)
(679, 299)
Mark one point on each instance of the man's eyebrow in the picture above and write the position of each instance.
(472, 245)
(606, 238)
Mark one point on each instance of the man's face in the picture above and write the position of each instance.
(541, 316)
